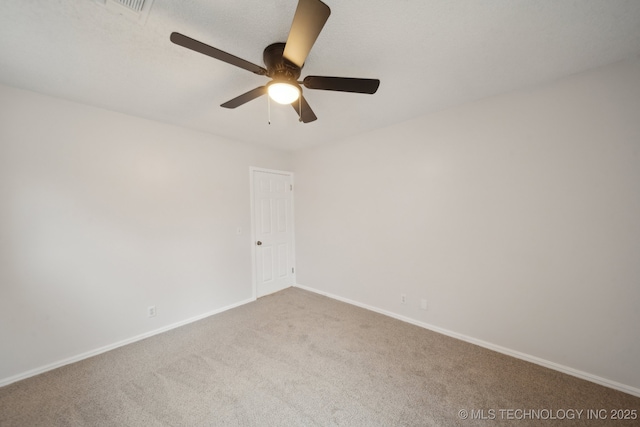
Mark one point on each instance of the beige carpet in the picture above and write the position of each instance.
(296, 358)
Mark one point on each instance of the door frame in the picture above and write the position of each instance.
(254, 275)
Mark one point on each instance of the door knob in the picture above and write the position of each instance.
(258, 243)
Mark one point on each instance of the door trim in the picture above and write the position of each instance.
(254, 277)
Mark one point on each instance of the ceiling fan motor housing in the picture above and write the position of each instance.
(279, 69)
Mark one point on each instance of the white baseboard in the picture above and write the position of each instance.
(509, 352)
(95, 352)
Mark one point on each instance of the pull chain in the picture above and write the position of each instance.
(269, 108)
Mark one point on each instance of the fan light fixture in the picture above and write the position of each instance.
(283, 93)
(283, 63)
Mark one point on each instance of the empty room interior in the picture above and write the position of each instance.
(442, 228)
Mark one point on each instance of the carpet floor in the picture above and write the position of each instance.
(296, 358)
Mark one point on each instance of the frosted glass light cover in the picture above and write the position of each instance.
(283, 93)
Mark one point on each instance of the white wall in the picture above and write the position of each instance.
(103, 215)
(516, 217)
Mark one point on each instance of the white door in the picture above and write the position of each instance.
(273, 231)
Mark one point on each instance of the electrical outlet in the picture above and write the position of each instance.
(151, 311)
(403, 298)
(423, 304)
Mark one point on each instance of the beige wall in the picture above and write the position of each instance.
(103, 215)
(516, 217)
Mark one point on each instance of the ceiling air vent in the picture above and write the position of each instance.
(136, 10)
(135, 5)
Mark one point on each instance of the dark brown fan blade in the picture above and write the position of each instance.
(307, 113)
(205, 49)
(308, 21)
(245, 97)
(342, 84)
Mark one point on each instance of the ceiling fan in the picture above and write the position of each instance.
(284, 62)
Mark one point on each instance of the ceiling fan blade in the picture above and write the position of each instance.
(205, 49)
(342, 84)
(308, 21)
(307, 114)
(245, 97)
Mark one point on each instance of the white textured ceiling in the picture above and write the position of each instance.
(428, 54)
